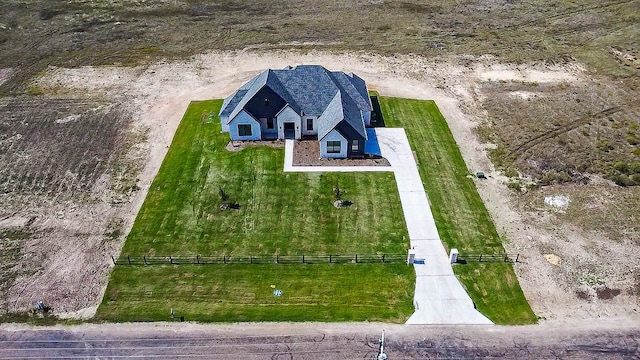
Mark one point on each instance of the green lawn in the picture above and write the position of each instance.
(280, 213)
(224, 293)
(461, 217)
(291, 213)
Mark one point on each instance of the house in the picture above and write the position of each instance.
(302, 101)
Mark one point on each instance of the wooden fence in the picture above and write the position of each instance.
(261, 259)
(488, 258)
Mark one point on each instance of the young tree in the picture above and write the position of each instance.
(337, 193)
(223, 196)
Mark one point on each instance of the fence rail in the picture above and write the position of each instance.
(261, 259)
(488, 258)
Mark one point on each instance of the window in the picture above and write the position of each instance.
(309, 124)
(269, 123)
(355, 145)
(333, 147)
(244, 130)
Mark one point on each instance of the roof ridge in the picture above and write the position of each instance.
(288, 97)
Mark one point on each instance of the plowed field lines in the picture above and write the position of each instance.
(56, 145)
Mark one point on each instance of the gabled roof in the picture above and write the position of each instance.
(309, 90)
(331, 116)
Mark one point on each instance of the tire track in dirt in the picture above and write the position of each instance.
(522, 148)
(565, 14)
(555, 32)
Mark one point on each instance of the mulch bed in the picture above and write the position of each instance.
(307, 153)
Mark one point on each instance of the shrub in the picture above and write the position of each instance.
(555, 177)
(623, 180)
(621, 166)
(632, 139)
(510, 172)
(604, 145)
(634, 167)
(35, 91)
(514, 184)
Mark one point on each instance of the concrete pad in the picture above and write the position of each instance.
(447, 312)
(432, 267)
(440, 287)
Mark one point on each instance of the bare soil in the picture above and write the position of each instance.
(307, 153)
(71, 239)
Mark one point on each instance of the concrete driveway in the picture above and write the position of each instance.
(439, 297)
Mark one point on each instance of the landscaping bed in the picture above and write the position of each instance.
(307, 153)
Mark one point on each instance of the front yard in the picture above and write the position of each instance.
(292, 213)
(280, 213)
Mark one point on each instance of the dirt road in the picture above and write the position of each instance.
(585, 340)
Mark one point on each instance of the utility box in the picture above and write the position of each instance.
(453, 256)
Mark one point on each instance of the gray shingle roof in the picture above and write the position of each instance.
(331, 116)
(312, 90)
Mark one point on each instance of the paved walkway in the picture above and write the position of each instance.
(439, 297)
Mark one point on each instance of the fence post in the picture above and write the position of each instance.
(303, 259)
(383, 258)
(170, 260)
(506, 258)
(517, 256)
(144, 257)
(250, 259)
(356, 258)
(198, 259)
(114, 260)
(277, 259)
(480, 259)
(224, 258)
(330, 259)
(129, 259)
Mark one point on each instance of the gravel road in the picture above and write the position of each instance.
(579, 340)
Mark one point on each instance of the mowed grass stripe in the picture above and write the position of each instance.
(222, 293)
(462, 219)
(281, 213)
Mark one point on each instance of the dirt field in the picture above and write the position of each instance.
(548, 93)
(157, 95)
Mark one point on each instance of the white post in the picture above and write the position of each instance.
(453, 256)
(411, 258)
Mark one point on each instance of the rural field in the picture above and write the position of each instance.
(541, 96)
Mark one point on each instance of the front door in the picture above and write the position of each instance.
(289, 130)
